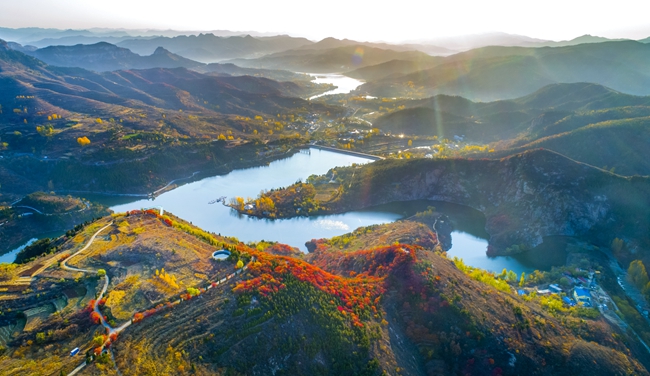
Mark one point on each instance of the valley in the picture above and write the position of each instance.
(249, 204)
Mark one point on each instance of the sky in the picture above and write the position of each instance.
(360, 20)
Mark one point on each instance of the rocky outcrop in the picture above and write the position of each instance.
(524, 197)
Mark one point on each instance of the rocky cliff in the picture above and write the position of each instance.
(524, 197)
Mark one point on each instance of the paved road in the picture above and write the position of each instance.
(51, 214)
(630, 290)
(29, 207)
(79, 368)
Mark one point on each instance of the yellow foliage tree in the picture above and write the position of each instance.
(169, 279)
(83, 141)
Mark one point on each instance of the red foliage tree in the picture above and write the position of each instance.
(96, 317)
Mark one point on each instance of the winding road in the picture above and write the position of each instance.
(64, 265)
(111, 330)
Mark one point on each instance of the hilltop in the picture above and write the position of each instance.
(395, 309)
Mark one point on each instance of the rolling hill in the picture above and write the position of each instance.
(393, 68)
(617, 145)
(524, 197)
(586, 122)
(141, 88)
(338, 59)
(505, 119)
(329, 43)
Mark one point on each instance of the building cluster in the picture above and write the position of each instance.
(579, 294)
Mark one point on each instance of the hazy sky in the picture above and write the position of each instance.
(361, 20)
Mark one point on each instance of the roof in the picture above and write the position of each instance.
(582, 292)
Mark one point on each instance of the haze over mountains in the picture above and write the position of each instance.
(587, 122)
(23, 75)
(545, 143)
(492, 73)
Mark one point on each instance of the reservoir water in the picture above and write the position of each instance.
(343, 83)
(191, 202)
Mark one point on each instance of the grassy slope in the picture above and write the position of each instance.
(617, 144)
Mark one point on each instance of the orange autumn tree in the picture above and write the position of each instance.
(138, 317)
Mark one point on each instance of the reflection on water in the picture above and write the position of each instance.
(470, 240)
(548, 254)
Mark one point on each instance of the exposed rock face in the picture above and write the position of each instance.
(524, 198)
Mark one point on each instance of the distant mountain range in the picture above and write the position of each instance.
(471, 41)
(493, 73)
(209, 48)
(37, 35)
(107, 57)
(102, 57)
(58, 89)
(468, 42)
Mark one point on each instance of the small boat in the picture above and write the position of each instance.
(220, 199)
